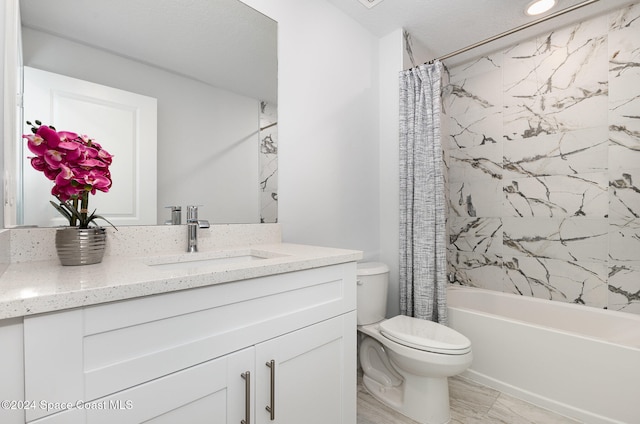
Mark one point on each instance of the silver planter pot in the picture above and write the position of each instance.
(77, 246)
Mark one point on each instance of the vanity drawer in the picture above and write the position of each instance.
(88, 353)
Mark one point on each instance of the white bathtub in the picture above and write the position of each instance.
(576, 360)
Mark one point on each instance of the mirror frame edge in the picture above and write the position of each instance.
(11, 103)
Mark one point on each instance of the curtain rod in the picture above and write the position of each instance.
(514, 30)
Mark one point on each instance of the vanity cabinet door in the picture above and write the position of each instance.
(213, 393)
(308, 376)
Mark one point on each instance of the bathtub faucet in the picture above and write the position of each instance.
(193, 223)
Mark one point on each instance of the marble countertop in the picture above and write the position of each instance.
(44, 286)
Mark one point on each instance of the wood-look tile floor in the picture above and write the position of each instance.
(471, 403)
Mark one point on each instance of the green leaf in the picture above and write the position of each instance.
(93, 217)
(63, 211)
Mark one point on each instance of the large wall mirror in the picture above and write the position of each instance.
(210, 66)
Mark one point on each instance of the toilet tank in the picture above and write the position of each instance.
(373, 282)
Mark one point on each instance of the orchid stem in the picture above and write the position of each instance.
(84, 207)
(73, 218)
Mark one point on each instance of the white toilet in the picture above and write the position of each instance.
(406, 361)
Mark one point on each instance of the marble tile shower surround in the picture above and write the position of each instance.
(543, 158)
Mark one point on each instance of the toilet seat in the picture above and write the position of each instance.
(425, 335)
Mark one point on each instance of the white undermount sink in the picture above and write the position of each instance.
(208, 262)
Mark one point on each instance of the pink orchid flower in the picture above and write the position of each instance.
(38, 163)
(76, 164)
(53, 158)
(91, 163)
(36, 144)
(50, 136)
(67, 135)
(65, 176)
(105, 156)
(97, 181)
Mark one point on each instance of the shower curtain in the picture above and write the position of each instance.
(422, 202)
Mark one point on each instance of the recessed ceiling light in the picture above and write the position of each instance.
(370, 3)
(539, 6)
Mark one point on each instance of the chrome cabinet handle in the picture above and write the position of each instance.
(272, 398)
(247, 397)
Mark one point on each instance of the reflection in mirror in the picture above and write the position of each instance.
(127, 121)
(212, 66)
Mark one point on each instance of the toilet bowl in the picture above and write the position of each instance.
(406, 361)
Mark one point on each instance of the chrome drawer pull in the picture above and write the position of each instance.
(247, 397)
(272, 398)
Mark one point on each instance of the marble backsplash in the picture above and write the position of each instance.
(543, 158)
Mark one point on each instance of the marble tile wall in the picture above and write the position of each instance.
(268, 162)
(543, 159)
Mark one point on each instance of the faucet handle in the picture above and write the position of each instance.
(176, 215)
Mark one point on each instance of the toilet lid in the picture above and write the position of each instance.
(425, 335)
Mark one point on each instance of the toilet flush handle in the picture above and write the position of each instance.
(359, 282)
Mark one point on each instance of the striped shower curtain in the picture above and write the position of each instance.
(422, 202)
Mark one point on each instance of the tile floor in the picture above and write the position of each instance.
(471, 403)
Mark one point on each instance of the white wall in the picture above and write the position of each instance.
(328, 126)
(390, 65)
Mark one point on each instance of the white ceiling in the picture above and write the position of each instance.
(444, 26)
(224, 43)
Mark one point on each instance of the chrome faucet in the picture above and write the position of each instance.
(193, 223)
(176, 215)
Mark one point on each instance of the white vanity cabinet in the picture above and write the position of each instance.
(185, 356)
(212, 392)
